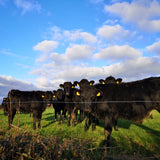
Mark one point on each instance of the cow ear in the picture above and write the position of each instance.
(102, 81)
(73, 85)
(78, 93)
(91, 83)
(76, 83)
(61, 85)
(118, 80)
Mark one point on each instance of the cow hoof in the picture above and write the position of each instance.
(93, 128)
(86, 128)
(116, 128)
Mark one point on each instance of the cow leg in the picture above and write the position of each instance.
(59, 117)
(73, 116)
(107, 131)
(87, 117)
(34, 120)
(55, 115)
(11, 116)
(115, 125)
(80, 116)
(63, 115)
(93, 122)
(69, 118)
(39, 120)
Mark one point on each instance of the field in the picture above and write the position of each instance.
(132, 141)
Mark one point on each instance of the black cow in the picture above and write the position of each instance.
(27, 102)
(133, 101)
(4, 105)
(88, 117)
(69, 104)
(110, 80)
(59, 104)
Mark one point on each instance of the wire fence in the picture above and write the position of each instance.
(118, 101)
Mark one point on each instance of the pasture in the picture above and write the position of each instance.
(132, 140)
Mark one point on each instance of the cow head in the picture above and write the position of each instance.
(47, 97)
(83, 83)
(89, 97)
(58, 95)
(110, 80)
(68, 88)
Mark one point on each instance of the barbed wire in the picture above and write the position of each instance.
(52, 102)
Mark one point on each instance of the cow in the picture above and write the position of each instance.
(69, 104)
(132, 101)
(88, 117)
(111, 80)
(27, 102)
(4, 105)
(59, 104)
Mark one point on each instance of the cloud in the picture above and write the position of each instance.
(144, 14)
(8, 82)
(116, 53)
(154, 48)
(113, 32)
(57, 33)
(46, 46)
(27, 5)
(79, 52)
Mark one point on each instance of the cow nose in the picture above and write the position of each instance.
(67, 94)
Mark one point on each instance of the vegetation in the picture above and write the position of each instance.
(55, 141)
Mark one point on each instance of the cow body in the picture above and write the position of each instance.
(27, 102)
(69, 104)
(132, 101)
(59, 104)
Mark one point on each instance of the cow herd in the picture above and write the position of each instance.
(108, 100)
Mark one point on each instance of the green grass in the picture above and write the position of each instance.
(131, 139)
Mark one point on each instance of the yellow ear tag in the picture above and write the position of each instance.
(77, 85)
(77, 93)
(117, 82)
(90, 84)
(103, 82)
(54, 96)
(72, 86)
(42, 96)
(98, 94)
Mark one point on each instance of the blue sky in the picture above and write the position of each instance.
(44, 43)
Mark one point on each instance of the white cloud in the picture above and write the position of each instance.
(27, 5)
(154, 48)
(145, 14)
(8, 82)
(79, 52)
(116, 52)
(57, 33)
(46, 46)
(113, 32)
(77, 34)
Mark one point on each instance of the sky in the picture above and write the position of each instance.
(45, 43)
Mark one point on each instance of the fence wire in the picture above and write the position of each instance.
(53, 102)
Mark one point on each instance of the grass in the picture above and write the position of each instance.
(130, 140)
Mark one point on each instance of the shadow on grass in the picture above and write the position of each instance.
(133, 147)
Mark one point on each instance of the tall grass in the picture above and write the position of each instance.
(131, 139)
